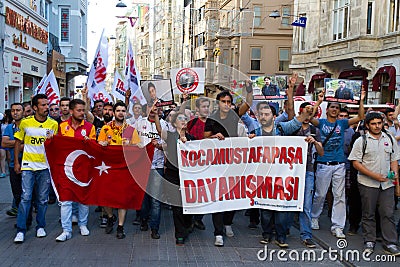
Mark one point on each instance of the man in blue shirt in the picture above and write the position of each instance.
(17, 112)
(331, 166)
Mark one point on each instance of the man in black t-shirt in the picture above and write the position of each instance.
(224, 123)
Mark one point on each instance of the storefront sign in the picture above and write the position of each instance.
(25, 25)
(16, 70)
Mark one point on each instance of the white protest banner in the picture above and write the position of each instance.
(241, 173)
(96, 80)
(132, 77)
(188, 80)
(40, 85)
(50, 89)
(118, 88)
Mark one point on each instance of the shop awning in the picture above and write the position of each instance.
(316, 77)
(376, 81)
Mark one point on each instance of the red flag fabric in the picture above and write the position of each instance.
(85, 172)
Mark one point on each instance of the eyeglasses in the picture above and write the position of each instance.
(182, 118)
(54, 109)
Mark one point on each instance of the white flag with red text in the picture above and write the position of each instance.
(96, 81)
(40, 85)
(50, 89)
(118, 89)
(132, 77)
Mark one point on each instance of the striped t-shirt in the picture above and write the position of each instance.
(33, 133)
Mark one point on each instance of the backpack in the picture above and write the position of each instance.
(364, 147)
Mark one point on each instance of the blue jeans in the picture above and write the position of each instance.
(66, 215)
(305, 215)
(280, 219)
(42, 180)
(151, 206)
(324, 176)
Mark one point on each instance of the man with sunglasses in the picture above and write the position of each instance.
(54, 111)
(224, 123)
(331, 166)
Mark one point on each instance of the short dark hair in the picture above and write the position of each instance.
(119, 104)
(266, 105)
(305, 104)
(35, 99)
(76, 101)
(27, 103)
(344, 110)
(267, 77)
(109, 104)
(331, 103)
(151, 85)
(261, 103)
(17, 104)
(223, 94)
(373, 115)
(201, 100)
(388, 110)
(65, 99)
(98, 101)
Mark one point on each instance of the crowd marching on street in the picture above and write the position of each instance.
(352, 164)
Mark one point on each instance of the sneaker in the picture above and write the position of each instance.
(265, 240)
(338, 233)
(281, 243)
(144, 226)
(84, 230)
(369, 247)
(219, 241)
(12, 212)
(64, 237)
(314, 224)
(40, 233)
(229, 231)
(110, 225)
(120, 232)
(180, 241)
(136, 221)
(252, 225)
(2, 175)
(309, 243)
(391, 249)
(199, 225)
(74, 220)
(103, 223)
(19, 238)
(155, 234)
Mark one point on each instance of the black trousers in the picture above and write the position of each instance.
(181, 221)
(220, 219)
(16, 185)
(354, 201)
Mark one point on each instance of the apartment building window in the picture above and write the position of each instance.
(284, 59)
(255, 58)
(394, 6)
(200, 13)
(285, 16)
(341, 19)
(257, 16)
(199, 39)
(302, 36)
(370, 17)
(169, 29)
(64, 25)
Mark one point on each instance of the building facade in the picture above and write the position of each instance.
(24, 51)
(356, 40)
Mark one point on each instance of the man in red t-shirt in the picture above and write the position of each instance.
(196, 128)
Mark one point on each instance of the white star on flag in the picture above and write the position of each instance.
(103, 168)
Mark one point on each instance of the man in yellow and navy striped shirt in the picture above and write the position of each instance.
(33, 131)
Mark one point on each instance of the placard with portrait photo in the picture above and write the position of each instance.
(159, 91)
(342, 91)
(269, 87)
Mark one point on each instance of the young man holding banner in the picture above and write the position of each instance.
(224, 123)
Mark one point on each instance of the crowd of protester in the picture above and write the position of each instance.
(352, 163)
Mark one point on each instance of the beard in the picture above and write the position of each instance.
(107, 118)
(266, 123)
(119, 120)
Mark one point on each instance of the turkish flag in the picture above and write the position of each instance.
(111, 176)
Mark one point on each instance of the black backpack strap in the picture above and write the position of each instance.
(192, 124)
(329, 135)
